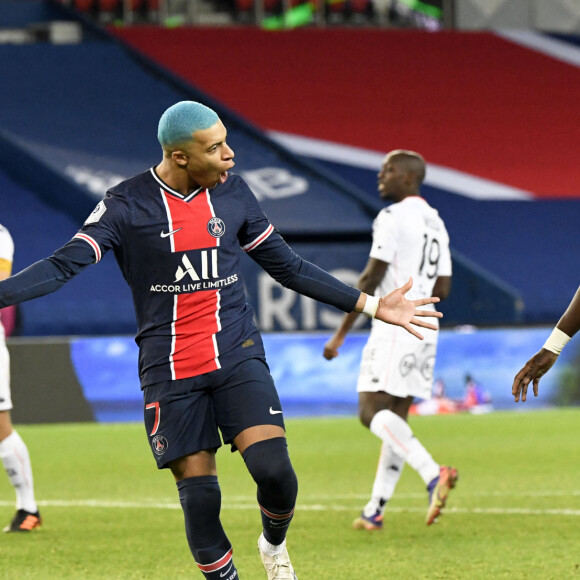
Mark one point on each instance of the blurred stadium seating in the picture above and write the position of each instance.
(107, 11)
(402, 13)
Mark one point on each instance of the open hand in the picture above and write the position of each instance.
(394, 308)
(533, 370)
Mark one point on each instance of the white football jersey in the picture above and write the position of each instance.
(412, 238)
(6, 245)
(6, 253)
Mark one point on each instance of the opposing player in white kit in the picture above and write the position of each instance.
(13, 450)
(409, 240)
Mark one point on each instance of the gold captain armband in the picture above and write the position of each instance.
(371, 306)
(556, 341)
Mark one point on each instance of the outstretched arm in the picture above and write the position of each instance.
(543, 360)
(276, 257)
(48, 275)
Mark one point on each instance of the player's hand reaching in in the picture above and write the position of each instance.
(394, 308)
(533, 370)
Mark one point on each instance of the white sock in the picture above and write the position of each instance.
(270, 549)
(14, 456)
(389, 471)
(396, 433)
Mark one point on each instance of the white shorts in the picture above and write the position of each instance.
(5, 399)
(398, 364)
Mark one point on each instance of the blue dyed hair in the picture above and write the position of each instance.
(180, 121)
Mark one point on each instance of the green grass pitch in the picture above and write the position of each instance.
(110, 514)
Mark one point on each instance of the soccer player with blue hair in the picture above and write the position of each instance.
(177, 231)
(182, 120)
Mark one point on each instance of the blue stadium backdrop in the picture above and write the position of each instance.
(309, 385)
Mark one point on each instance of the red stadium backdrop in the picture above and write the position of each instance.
(470, 101)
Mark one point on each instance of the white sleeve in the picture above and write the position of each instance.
(6, 245)
(444, 267)
(384, 245)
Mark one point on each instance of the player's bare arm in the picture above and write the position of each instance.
(570, 321)
(542, 361)
(368, 281)
(442, 287)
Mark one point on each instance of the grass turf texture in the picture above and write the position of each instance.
(109, 514)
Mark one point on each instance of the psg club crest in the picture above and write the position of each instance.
(216, 227)
(159, 445)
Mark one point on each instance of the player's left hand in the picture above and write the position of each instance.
(533, 370)
(394, 308)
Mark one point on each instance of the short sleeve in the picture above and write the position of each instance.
(384, 245)
(444, 267)
(6, 245)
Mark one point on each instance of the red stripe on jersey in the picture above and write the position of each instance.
(194, 350)
(188, 220)
(249, 247)
(93, 244)
(218, 563)
(196, 316)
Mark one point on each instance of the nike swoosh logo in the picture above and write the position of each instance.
(166, 235)
(272, 412)
(222, 574)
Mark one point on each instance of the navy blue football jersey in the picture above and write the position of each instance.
(181, 257)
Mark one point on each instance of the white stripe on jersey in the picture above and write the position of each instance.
(173, 338)
(166, 187)
(252, 245)
(210, 205)
(219, 326)
(92, 242)
(169, 220)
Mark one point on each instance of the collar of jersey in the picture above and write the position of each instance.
(168, 189)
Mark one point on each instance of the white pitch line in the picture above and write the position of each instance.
(399, 496)
(449, 510)
(250, 504)
(98, 503)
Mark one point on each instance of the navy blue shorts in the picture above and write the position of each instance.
(186, 416)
